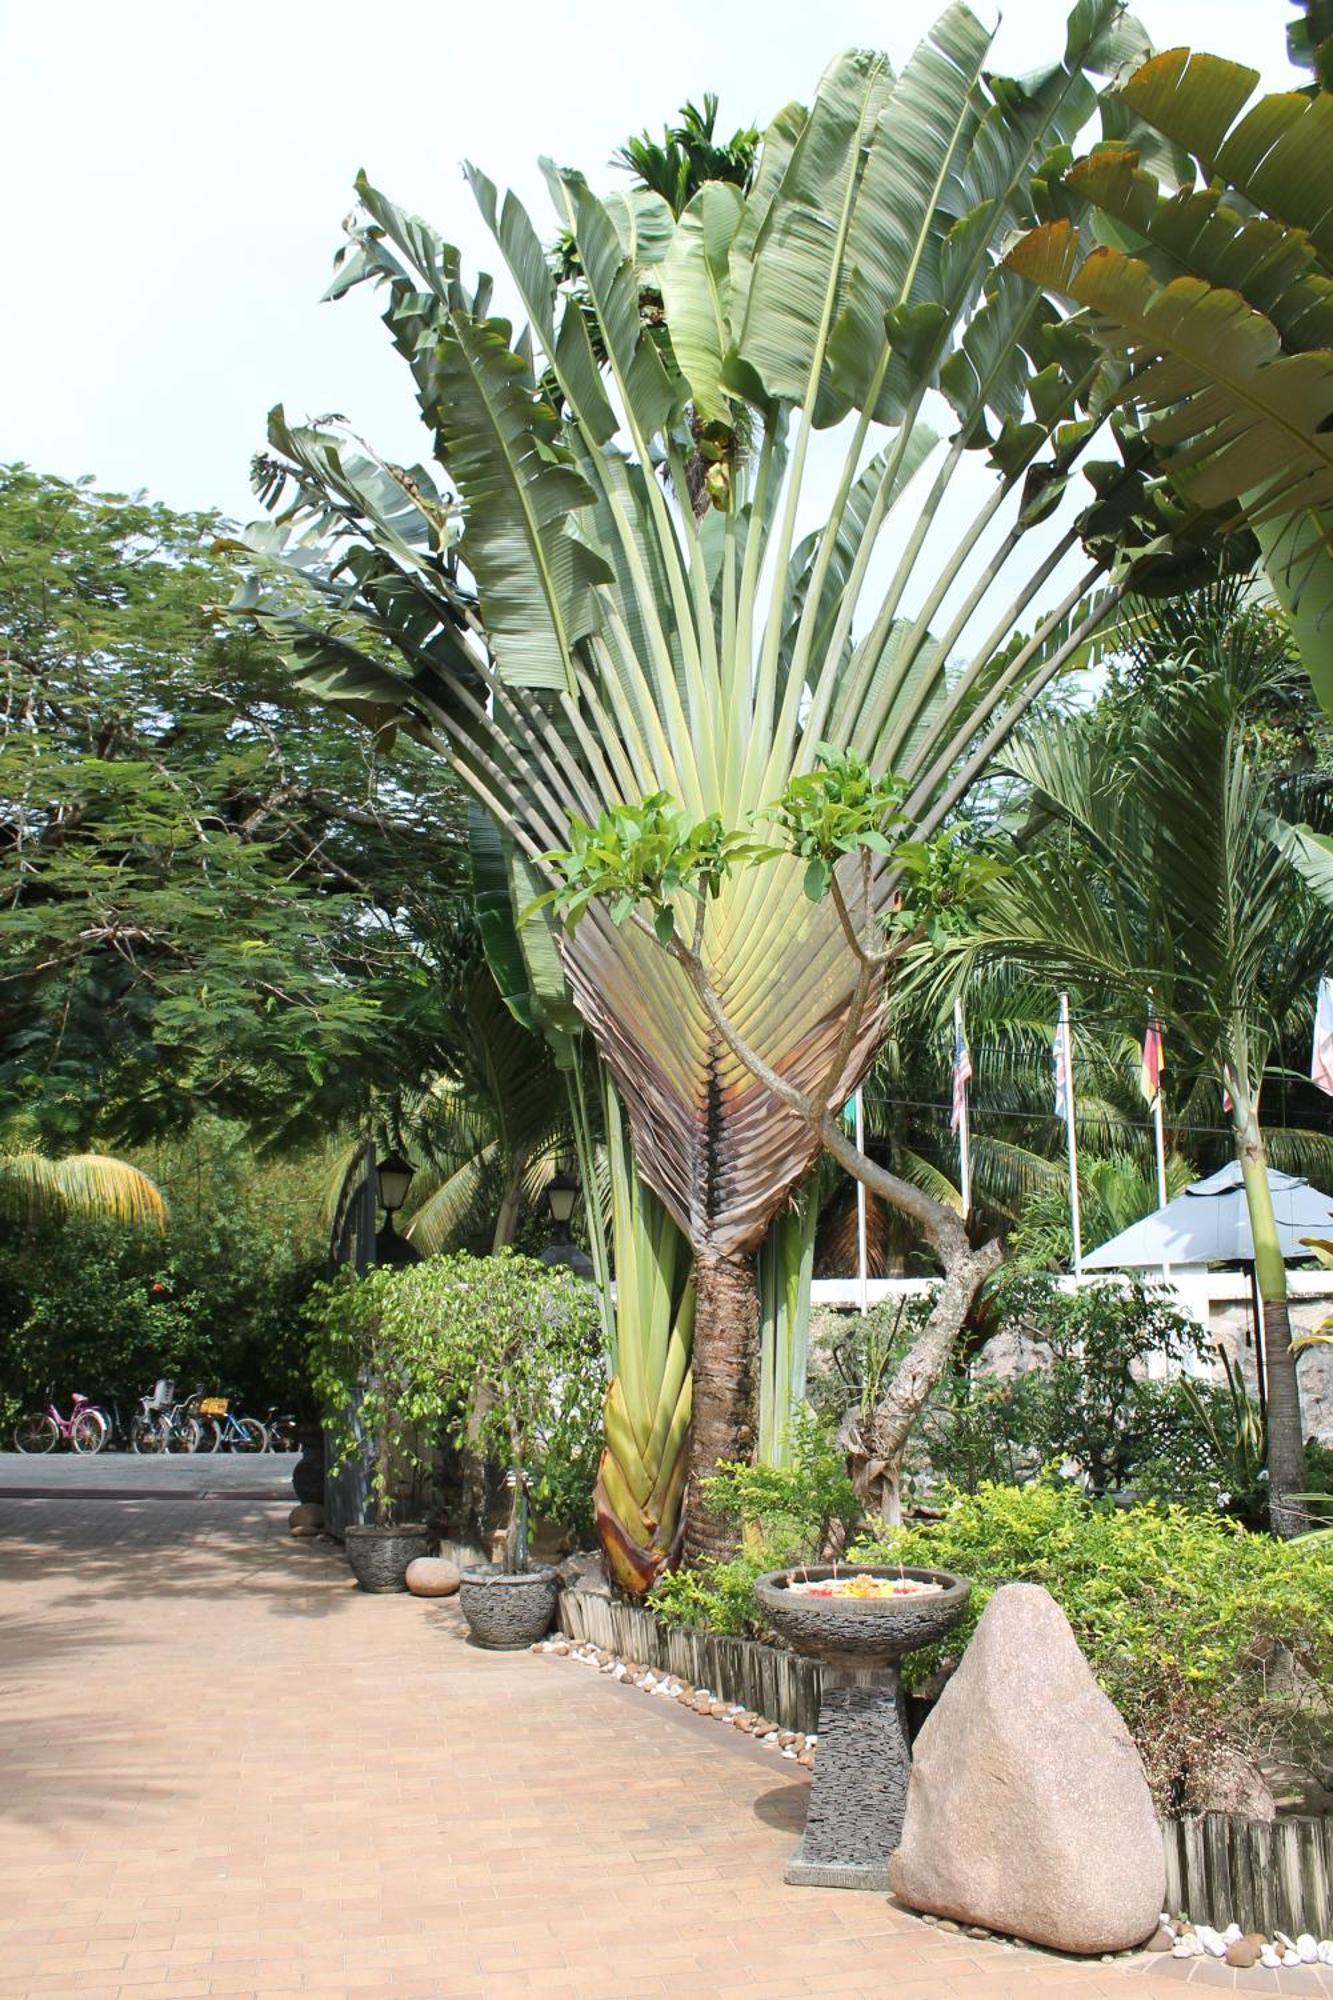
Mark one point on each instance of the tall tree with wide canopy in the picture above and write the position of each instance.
(570, 633)
(1152, 865)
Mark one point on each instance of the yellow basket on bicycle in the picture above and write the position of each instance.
(213, 1406)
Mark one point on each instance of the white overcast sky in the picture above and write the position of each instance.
(177, 174)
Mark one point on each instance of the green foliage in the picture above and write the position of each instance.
(218, 1299)
(501, 1354)
(786, 1514)
(840, 808)
(212, 889)
(646, 853)
(1178, 1614)
(1089, 1403)
(688, 154)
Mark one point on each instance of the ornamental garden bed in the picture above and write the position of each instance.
(1266, 1875)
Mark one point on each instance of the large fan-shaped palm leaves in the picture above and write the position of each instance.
(35, 1187)
(570, 634)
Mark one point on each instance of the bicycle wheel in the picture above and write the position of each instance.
(146, 1436)
(249, 1435)
(210, 1433)
(282, 1434)
(88, 1432)
(183, 1434)
(36, 1432)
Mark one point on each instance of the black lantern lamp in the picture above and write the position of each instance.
(393, 1177)
(562, 1191)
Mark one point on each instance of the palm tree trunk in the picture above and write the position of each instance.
(726, 1333)
(1286, 1448)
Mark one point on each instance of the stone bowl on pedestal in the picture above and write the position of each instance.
(859, 1791)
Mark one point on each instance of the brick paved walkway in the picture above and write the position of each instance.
(225, 1770)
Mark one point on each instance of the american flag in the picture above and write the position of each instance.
(1060, 1072)
(1150, 1073)
(962, 1074)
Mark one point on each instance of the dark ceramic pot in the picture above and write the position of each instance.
(870, 1631)
(506, 1612)
(308, 1471)
(378, 1557)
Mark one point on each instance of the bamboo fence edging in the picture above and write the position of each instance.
(767, 1679)
(1221, 1868)
(1265, 1875)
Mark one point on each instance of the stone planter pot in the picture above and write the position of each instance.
(508, 1612)
(859, 1792)
(379, 1556)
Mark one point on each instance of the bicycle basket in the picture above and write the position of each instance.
(164, 1392)
(213, 1406)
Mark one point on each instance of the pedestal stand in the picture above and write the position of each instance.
(859, 1791)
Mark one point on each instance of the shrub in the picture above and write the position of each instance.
(787, 1514)
(498, 1354)
(1180, 1615)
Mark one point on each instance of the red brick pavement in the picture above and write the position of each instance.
(224, 1770)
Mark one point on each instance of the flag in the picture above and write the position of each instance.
(1321, 1059)
(1060, 1072)
(962, 1075)
(1150, 1072)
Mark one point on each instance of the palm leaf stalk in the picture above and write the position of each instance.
(1158, 870)
(566, 632)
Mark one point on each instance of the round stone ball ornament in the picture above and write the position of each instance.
(858, 1622)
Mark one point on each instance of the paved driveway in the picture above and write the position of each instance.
(224, 1770)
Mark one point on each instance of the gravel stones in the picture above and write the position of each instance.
(1025, 1752)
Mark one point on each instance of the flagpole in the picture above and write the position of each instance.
(862, 1260)
(1075, 1212)
(964, 1123)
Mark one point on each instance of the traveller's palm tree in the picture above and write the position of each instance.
(571, 635)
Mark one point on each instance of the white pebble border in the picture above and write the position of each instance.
(1202, 1941)
(788, 1743)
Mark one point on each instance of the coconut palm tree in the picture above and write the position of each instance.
(1150, 864)
(560, 623)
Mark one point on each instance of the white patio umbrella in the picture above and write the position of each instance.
(1209, 1224)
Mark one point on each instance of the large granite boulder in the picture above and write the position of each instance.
(1027, 1809)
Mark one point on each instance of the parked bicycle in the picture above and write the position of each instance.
(222, 1426)
(161, 1424)
(281, 1430)
(85, 1429)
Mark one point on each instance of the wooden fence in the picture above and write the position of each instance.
(780, 1685)
(1265, 1876)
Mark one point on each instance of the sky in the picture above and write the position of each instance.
(178, 175)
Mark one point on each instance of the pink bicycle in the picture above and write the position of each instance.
(85, 1428)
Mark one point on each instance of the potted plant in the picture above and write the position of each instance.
(534, 1332)
(379, 1376)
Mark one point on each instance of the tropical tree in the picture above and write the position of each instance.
(1151, 865)
(1217, 294)
(214, 890)
(571, 635)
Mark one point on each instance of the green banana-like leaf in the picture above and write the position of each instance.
(696, 291)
